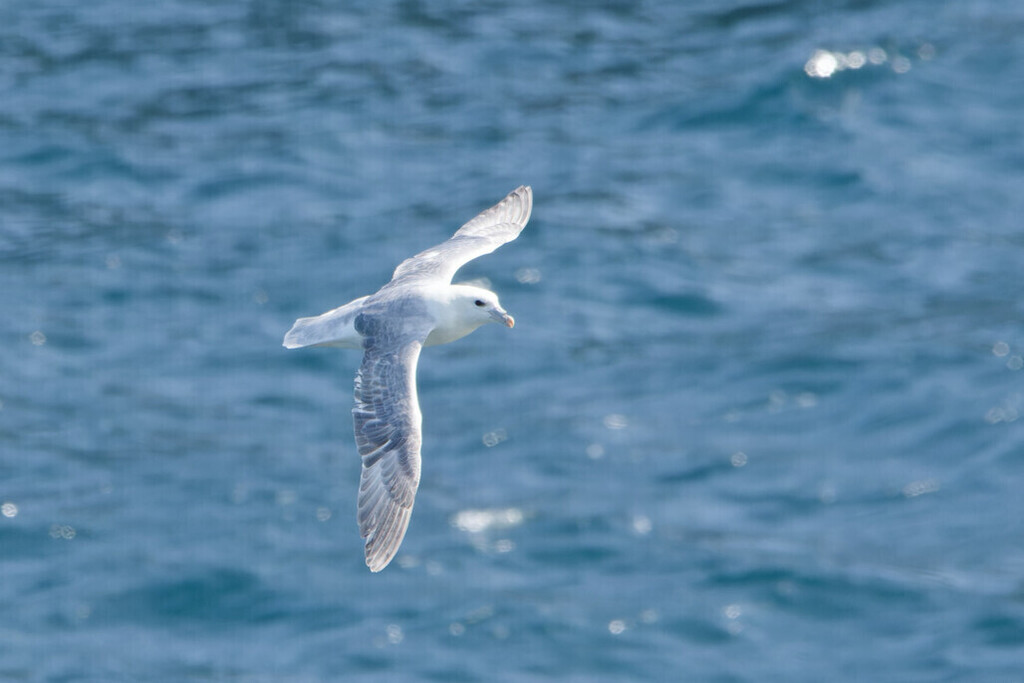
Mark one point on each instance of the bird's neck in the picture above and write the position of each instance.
(449, 324)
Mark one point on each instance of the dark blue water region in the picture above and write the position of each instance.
(759, 418)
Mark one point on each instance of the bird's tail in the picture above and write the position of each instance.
(333, 328)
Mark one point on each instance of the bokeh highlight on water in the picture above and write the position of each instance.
(759, 418)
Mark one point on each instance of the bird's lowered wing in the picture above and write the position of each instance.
(387, 429)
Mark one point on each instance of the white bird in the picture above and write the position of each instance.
(419, 307)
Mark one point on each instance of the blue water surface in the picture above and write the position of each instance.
(761, 417)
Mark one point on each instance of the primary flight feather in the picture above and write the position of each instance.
(419, 307)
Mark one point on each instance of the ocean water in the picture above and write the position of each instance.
(761, 417)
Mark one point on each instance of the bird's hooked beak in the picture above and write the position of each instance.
(500, 316)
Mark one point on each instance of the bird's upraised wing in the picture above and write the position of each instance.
(496, 226)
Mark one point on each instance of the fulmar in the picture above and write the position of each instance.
(419, 307)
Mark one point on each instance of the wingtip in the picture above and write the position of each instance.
(383, 539)
(525, 194)
(377, 560)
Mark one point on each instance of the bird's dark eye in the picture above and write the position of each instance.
(478, 302)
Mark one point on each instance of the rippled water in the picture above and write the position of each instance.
(759, 419)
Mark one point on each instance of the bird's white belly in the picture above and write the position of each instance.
(442, 334)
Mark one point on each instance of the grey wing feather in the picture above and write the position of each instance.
(496, 226)
(387, 429)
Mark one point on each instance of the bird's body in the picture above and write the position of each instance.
(337, 327)
(419, 307)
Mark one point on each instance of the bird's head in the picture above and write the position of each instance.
(480, 306)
